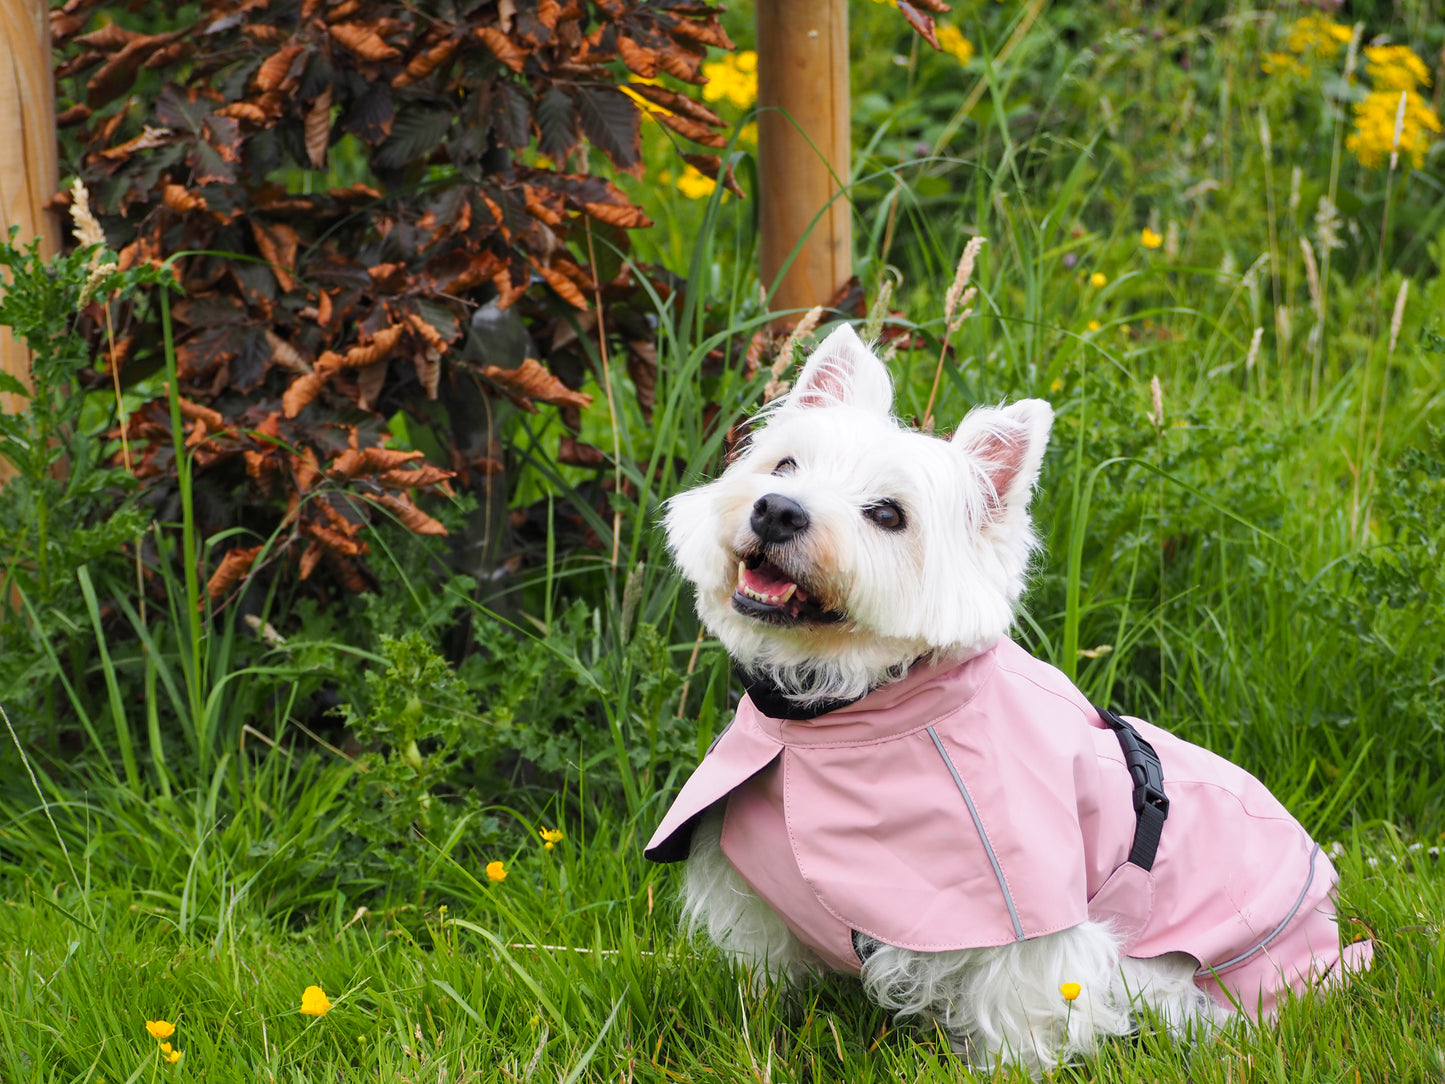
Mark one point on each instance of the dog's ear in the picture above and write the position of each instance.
(843, 372)
(1005, 446)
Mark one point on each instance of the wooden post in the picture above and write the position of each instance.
(29, 173)
(803, 148)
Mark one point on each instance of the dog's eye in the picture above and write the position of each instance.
(786, 466)
(887, 514)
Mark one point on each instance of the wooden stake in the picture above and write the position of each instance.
(29, 173)
(803, 149)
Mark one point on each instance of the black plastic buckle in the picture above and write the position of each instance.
(1144, 767)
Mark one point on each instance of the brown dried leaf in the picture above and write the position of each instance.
(428, 371)
(626, 218)
(532, 380)
(231, 571)
(565, 287)
(178, 199)
(284, 355)
(710, 166)
(920, 22)
(678, 103)
(301, 391)
(698, 133)
(318, 130)
(534, 199)
(380, 346)
(502, 47)
(196, 413)
(576, 453)
(423, 64)
(423, 328)
(424, 475)
(278, 243)
(369, 383)
(357, 461)
(703, 31)
(247, 111)
(306, 468)
(638, 58)
(364, 41)
(548, 11)
(273, 72)
(410, 516)
(310, 558)
(334, 541)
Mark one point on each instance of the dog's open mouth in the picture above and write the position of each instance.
(770, 593)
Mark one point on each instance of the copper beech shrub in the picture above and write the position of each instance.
(312, 313)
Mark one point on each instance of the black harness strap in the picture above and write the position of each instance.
(1151, 806)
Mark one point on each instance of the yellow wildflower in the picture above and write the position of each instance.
(551, 837)
(1373, 137)
(1395, 67)
(173, 1057)
(952, 41)
(694, 184)
(749, 135)
(734, 77)
(1150, 239)
(1071, 990)
(1314, 33)
(496, 871)
(1282, 64)
(314, 1002)
(1094, 325)
(160, 1029)
(1098, 278)
(1057, 385)
(165, 1048)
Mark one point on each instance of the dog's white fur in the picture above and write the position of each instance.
(944, 586)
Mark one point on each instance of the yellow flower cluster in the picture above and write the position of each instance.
(734, 78)
(1283, 64)
(1313, 33)
(496, 871)
(953, 41)
(550, 837)
(1149, 239)
(694, 184)
(161, 1030)
(314, 1002)
(1373, 139)
(1395, 67)
(1395, 72)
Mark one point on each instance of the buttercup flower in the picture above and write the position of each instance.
(173, 1056)
(165, 1048)
(314, 1002)
(1094, 325)
(952, 41)
(496, 871)
(1149, 239)
(694, 184)
(1282, 64)
(160, 1029)
(551, 837)
(734, 77)
(1098, 278)
(1071, 990)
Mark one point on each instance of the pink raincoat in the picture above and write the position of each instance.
(986, 802)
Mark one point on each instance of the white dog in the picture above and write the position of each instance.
(907, 795)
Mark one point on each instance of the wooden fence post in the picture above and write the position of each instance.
(803, 148)
(29, 172)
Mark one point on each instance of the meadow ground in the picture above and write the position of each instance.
(1197, 249)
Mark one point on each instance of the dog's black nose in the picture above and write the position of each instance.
(777, 518)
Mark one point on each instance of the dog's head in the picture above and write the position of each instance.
(841, 546)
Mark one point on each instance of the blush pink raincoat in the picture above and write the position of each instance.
(986, 802)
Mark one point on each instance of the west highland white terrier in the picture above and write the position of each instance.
(907, 795)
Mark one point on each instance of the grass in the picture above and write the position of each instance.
(1250, 571)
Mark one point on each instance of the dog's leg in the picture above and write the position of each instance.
(717, 901)
(1005, 1004)
(1166, 985)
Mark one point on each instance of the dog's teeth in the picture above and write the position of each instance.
(792, 588)
(742, 572)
